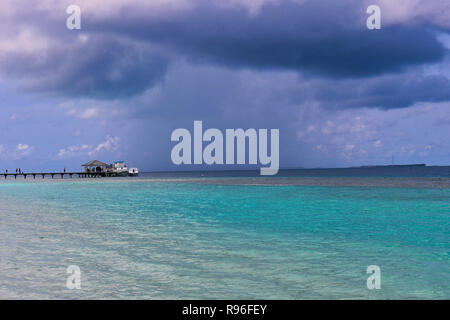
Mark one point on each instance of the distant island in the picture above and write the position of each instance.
(392, 165)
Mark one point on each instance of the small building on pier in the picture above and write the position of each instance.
(95, 166)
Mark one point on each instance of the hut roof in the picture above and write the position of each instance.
(94, 163)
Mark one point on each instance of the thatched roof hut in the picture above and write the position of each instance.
(95, 166)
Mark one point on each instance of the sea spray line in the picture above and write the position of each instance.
(213, 153)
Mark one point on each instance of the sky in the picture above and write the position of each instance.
(340, 94)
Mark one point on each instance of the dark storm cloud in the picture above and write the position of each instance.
(327, 38)
(122, 55)
(100, 67)
(112, 69)
(385, 92)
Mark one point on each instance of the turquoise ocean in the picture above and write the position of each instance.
(223, 238)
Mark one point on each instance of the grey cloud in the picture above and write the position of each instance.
(322, 37)
(326, 42)
(101, 67)
(385, 92)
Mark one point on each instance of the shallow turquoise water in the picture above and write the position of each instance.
(146, 239)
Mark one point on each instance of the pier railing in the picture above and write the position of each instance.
(57, 174)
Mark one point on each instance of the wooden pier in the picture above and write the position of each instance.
(57, 174)
(93, 169)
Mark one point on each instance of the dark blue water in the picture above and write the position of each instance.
(380, 171)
